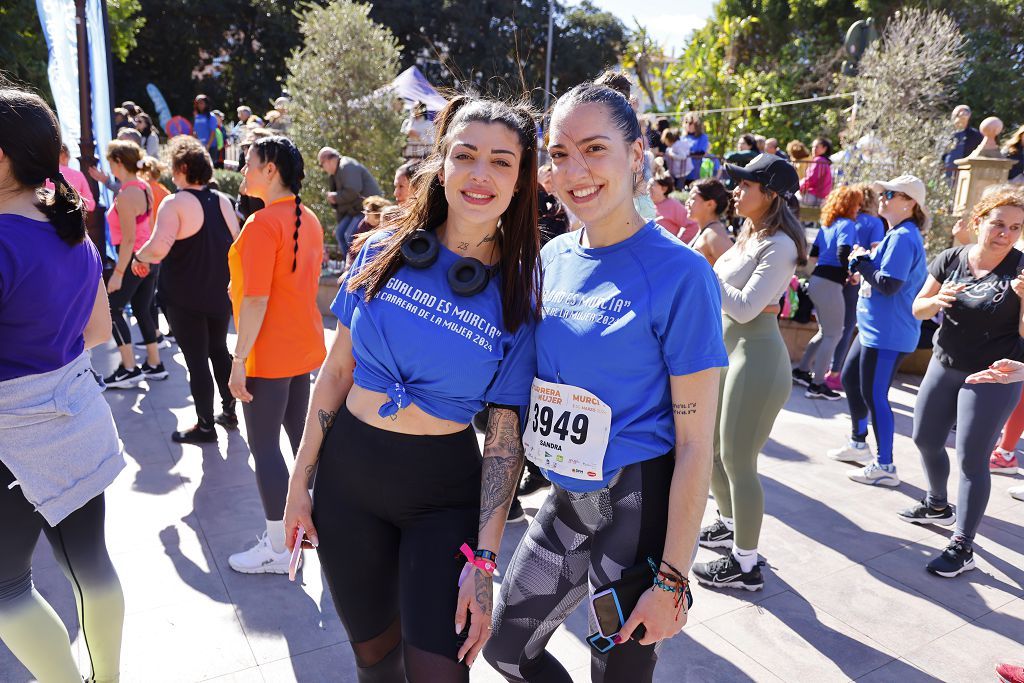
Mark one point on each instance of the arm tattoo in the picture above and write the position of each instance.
(502, 463)
(684, 408)
(484, 594)
(326, 419)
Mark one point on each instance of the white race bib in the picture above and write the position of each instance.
(567, 430)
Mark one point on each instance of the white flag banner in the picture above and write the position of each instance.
(100, 81)
(57, 18)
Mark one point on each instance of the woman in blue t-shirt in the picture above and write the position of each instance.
(890, 279)
(204, 125)
(622, 412)
(832, 246)
(58, 444)
(699, 144)
(436, 320)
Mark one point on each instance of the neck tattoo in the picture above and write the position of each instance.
(486, 239)
(463, 246)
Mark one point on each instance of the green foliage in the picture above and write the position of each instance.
(23, 48)
(227, 181)
(345, 55)
(125, 20)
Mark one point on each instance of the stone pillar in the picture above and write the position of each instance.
(984, 167)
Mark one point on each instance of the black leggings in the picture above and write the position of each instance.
(203, 340)
(275, 403)
(139, 293)
(580, 541)
(867, 376)
(28, 625)
(391, 511)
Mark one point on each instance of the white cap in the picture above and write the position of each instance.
(913, 187)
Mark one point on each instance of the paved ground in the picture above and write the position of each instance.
(846, 594)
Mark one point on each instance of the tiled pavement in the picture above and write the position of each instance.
(846, 595)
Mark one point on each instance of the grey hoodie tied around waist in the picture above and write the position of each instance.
(58, 438)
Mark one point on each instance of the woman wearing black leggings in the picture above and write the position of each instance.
(58, 445)
(194, 231)
(435, 322)
(978, 288)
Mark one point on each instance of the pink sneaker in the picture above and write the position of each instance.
(833, 382)
(1010, 673)
(1002, 462)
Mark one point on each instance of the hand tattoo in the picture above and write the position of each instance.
(326, 419)
(463, 246)
(684, 408)
(484, 594)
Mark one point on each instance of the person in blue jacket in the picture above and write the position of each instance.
(888, 329)
(435, 322)
(622, 412)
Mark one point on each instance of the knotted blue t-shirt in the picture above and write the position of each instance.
(419, 342)
(619, 321)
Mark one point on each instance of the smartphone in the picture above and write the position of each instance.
(607, 612)
(293, 563)
(600, 643)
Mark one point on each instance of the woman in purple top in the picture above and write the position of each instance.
(59, 446)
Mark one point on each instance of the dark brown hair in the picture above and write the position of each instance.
(518, 236)
(188, 156)
(30, 138)
(286, 156)
(713, 189)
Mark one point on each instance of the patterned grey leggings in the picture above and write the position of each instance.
(579, 541)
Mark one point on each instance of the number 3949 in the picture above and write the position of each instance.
(544, 422)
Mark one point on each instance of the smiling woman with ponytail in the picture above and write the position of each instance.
(275, 275)
(54, 465)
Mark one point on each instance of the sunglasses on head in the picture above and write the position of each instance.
(889, 194)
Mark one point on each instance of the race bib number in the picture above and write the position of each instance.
(567, 430)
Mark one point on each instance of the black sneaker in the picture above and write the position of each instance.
(515, 512)
(227, 419)
(158, 373)
(532, 482)
(197, 434)
(957, 558)
(715, 535)
(123, 379)
(821, 391)
(923, 513)
(802, 377)
(725, 572)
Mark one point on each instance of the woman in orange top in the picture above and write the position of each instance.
(275, 274)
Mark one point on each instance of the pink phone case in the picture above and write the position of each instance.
(293, 564)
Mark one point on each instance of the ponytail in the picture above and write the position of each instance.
(298, 222)
(288, 159)
(64, 208)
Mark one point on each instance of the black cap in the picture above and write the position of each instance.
(775, 173)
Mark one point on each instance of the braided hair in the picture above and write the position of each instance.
(286, 156)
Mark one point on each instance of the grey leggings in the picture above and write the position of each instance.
(275, 403)
(830, 308)
(979, 411)
(576, 537)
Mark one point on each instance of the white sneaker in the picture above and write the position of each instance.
(260, 559)
(853, 451)
(874, 475)
(1017, 492)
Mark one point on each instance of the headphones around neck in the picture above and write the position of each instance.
(467, 276)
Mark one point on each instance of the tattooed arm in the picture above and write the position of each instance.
(501, 467)
(329, 393)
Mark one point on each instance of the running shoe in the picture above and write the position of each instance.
(821, 391)
(802, 377)
(875, 475)
(1017, 492)
(260, 559)
(533, 482)
(123, 379)
(157, 373)
(516, 512)
(196, 434)
(833, 382)
(725, 572)
(853, 451)
(957, 558)
(227, 419)
(715, 535)
(1010, 673)
(922, 513)
(1002, 462)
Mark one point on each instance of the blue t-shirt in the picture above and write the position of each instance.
(887, 322)
(618, 320)
(842, 232)
(870, 230)
(698, 143)
(203, 126)
(419, 342)
(47, 292)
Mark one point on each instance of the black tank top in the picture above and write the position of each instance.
(194, 275)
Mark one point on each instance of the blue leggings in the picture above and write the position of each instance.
(867, 376)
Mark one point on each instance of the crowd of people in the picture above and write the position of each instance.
(492, 291)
